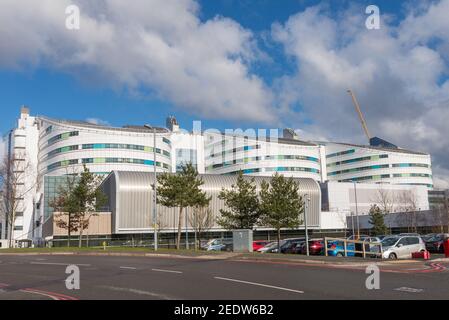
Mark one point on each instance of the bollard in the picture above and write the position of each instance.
(446, 248)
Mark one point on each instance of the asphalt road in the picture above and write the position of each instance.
(107, 277)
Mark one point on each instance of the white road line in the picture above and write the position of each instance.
(61, 264)
(170, 271)
(136, 291)
(259, 284)
(131, 268)
(411, 290)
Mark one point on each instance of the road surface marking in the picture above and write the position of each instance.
(259, 284)
(131, 268)
(61, 264)
(53, 295)
(170, 271)
(411, 290)
(136, 291)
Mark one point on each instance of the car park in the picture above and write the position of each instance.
(402, 247)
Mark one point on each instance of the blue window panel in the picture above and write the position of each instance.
(149, 162)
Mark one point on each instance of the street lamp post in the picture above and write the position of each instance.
(307, 203)
(356, 210)
(154, 187)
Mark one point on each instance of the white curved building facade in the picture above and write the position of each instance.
(353, 163)
(55, 148)
(65, 146)
(262, 157)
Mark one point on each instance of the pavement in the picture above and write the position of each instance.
(229, 277)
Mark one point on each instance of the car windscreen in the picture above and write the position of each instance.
(387, 242)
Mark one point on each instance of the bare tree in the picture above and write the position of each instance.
(17, 179)
(202, 219)
(408, 205)
(385, 200)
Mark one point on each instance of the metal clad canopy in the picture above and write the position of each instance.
(130, 195)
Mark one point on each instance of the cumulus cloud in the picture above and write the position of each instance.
(155, 47)
(98, 121)
(399, 74)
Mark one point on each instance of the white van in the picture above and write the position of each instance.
(402, 247)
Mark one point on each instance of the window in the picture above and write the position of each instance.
(62, 136)
(341, 153)
(412, 240)
(18, 228)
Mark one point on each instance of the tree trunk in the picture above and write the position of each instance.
(279, 240)
(69, 230)
(178, 241)
(81, 232)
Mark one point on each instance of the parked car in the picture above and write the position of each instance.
(354, 237)
(410, 234)
(219, 245)
(271, 247)
(436, 243)
(336, 248)
(429, 236)
(402, 247)
(289, 245)
(259, 244)
(316, 247)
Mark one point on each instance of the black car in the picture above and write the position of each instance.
(289, 245)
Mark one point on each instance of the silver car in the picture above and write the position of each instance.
(402, 247)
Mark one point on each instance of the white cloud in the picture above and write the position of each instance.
(154, 46)
(398, 74)
(98, 121)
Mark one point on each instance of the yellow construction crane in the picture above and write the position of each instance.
(362, 119)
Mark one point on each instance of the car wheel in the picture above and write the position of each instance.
(392, 256)
(339, 254)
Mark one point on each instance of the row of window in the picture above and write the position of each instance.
(372, 158)
(62, 136)
(282, 169)
(278, 169)
(235, 150)
(341, 153)
(387, 176)
(407, 165)
(107, 146)
(124, 146)
(405, 175)
(248, 159)
(376, 177)
(379, 166)
(106, 160)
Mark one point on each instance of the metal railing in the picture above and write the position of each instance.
(345, 250)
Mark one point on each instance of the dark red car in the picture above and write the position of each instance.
(435, 243)
(316, 247)
(259, 244)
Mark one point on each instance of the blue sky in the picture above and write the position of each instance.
(235, 63)
(57, 94)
